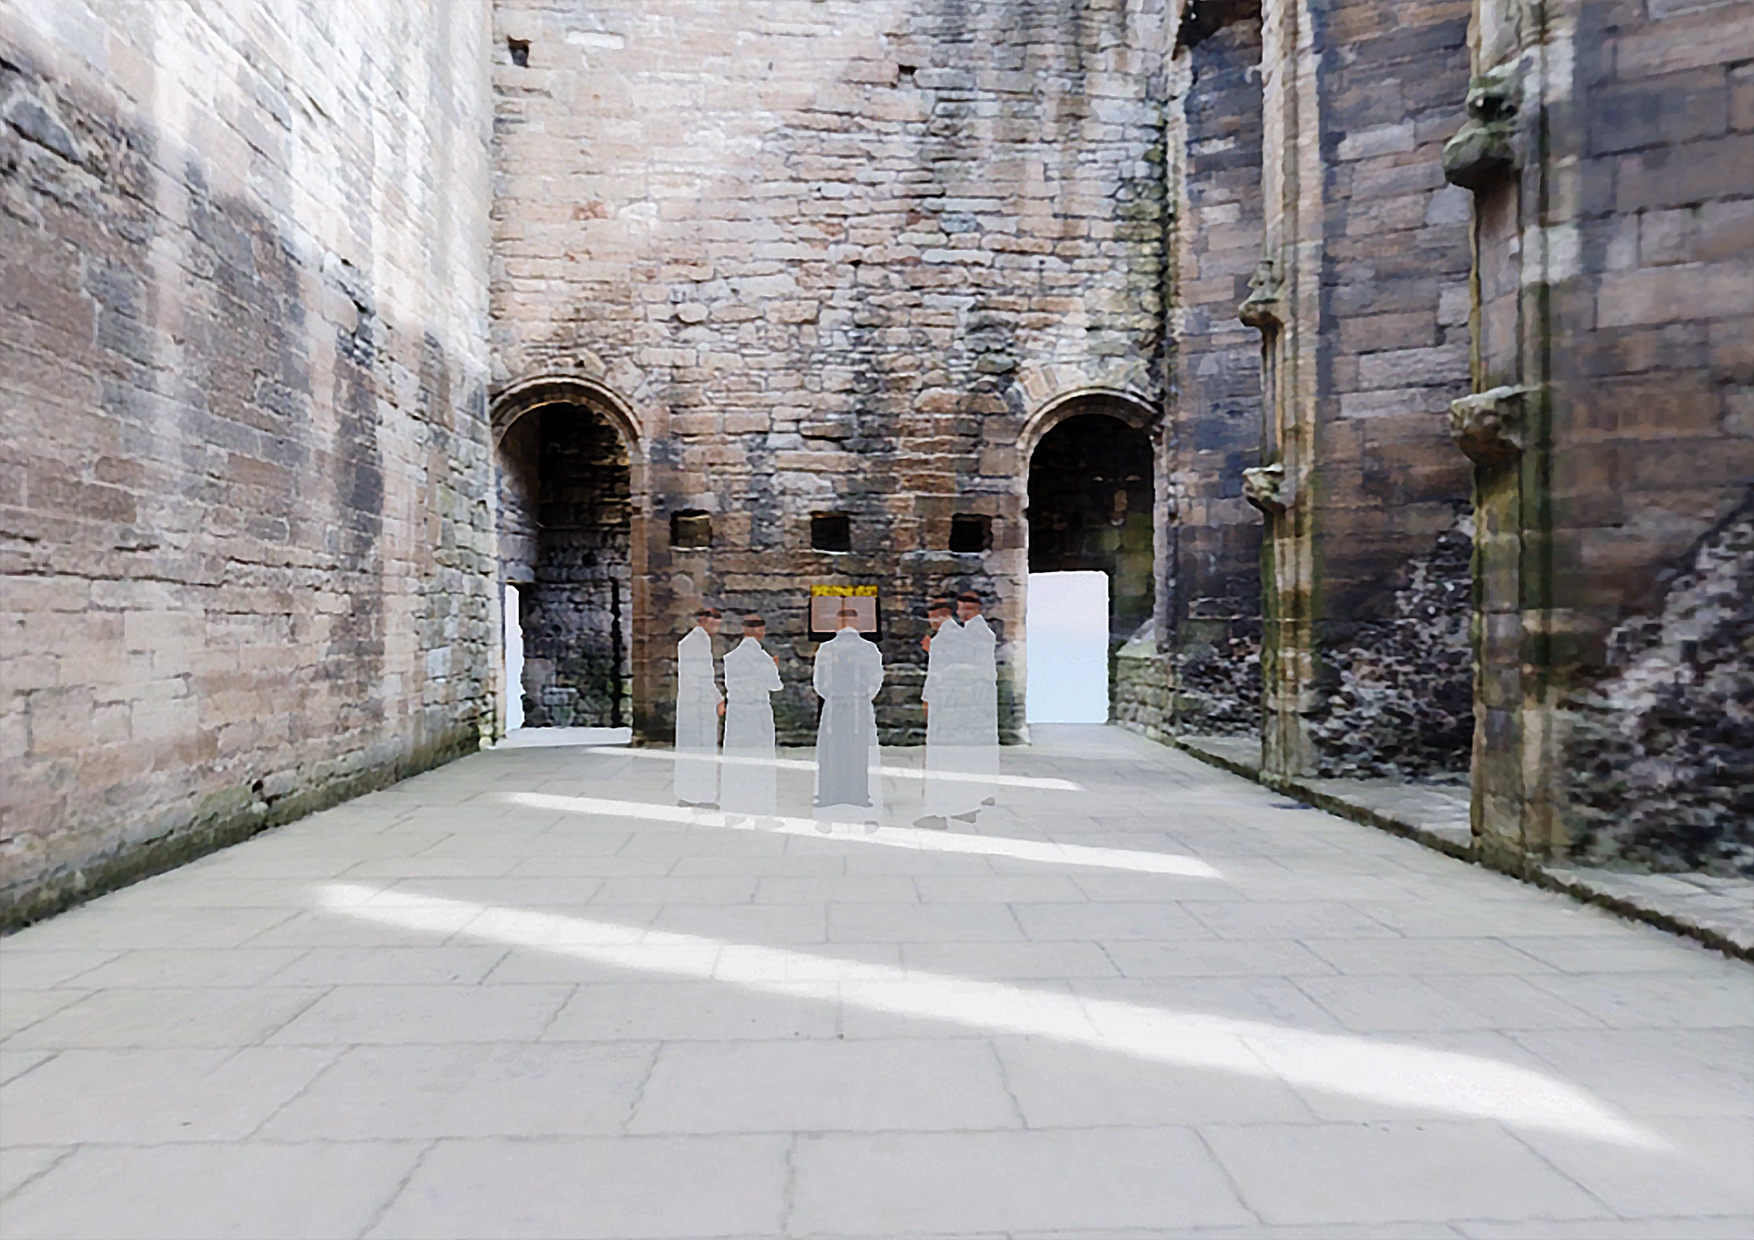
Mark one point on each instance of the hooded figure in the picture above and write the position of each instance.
(978, 644)
(849, 671)
(750, 786)
(962, 717)
(698, 706)
(946, 701)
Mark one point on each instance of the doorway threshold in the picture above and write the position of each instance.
(558, 738)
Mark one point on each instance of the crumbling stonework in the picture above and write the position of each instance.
(244, 511)
(1395, 697)
(1663, 764)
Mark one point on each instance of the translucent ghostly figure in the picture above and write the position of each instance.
(698, 707)
(962, 717)
(749, 784)
(945, 701)
(849, 672)
(978, 645)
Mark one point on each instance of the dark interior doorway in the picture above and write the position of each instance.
(566, 539)
(1091, 502)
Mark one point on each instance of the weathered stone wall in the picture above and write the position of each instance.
(1390, 500)
(834, 256)
(244, 509)
(1366, 669)
(1617, 292)
(1211, 634)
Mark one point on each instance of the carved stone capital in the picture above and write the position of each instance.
(1260, 310)
(1485, 147)
(1488, 426)
(1266, 487)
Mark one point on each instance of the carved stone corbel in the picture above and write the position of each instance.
(1266, 487)
(1485, 147)
(1488, 426)
(1260, 309)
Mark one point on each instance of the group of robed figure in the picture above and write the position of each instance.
(960, 697)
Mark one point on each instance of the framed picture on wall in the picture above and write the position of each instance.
(826, 603)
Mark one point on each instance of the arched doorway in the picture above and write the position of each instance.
(1092, 498)
(566, 487)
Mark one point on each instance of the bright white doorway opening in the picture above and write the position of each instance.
(514, 662)
(1066, 626)
(517, 735)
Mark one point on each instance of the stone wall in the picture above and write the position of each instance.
(1211, 635)
(244, 516)
(1614, 442)
(835, 257)
(1365, 663)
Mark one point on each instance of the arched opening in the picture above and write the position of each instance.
(566, 540)
(1092, 498)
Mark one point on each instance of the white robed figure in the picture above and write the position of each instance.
(962, 743)
(978, 645)
(749, 784)
(946, 695)
(698, 707)
(849, 672)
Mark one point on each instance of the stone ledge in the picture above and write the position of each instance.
(1718, 912)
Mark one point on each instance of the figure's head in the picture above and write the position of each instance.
(937, 612)
(709, 619)
(846, 618)
(968, 606)
(754, 626)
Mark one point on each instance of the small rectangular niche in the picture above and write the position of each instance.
(971, 532)
(691, 530)
(831, 531)
(520, 50)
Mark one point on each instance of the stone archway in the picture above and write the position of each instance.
(570, 481)
(1092, 477)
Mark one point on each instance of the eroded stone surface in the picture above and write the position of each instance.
(1664, 745)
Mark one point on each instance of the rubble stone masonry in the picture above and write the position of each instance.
(245, 518)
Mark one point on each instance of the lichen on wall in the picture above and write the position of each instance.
(1661, 763)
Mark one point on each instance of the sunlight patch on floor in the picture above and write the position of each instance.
(1351, 1064)
(919, 839)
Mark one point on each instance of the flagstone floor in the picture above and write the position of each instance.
(528, 995)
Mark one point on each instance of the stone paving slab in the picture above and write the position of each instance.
(1717, 911)
(527, 994)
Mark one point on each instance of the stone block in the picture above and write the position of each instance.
(1676, 176)
(1666, 294)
